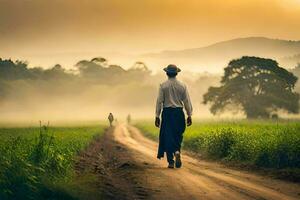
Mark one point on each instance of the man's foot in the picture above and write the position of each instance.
(177, 159)
(171, 165)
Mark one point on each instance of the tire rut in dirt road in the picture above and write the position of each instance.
(115, 174)
(198, 179)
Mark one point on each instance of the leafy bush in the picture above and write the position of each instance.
(262, 143)
(220, 143)
(30, 160)
(19, 177)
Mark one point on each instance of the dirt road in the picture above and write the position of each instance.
(135, 173)
(199, 179)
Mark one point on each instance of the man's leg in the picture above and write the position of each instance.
(177, 159)
(170, 158)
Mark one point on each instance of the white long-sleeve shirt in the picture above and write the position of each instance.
(173, 93)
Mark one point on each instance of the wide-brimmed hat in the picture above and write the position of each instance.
(172, 69)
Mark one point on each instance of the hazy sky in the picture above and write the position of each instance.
(32, 28)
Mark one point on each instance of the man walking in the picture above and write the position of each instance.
(110, 119)
(128, 119)
(172, 97)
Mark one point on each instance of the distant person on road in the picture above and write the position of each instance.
(172, 97)
(110, 119)
(128, 119)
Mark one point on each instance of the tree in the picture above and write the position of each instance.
(92, 69)
(139, 66)
(13, 70)
(257, 85)
(139, 71)
(57, 72)
(100, 60)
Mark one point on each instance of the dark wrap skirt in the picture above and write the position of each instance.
(171, 131)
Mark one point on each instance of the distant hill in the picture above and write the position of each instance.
(216, 56)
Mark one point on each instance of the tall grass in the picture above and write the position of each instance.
(32, 158)
(261, 143)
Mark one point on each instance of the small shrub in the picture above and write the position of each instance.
(220, 143)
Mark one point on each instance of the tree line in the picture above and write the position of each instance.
(257, 86)
(96, 70)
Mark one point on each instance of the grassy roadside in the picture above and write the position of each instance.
(268, 145)
(37, 163)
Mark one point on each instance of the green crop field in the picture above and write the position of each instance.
(35, 160)
(267, 144)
